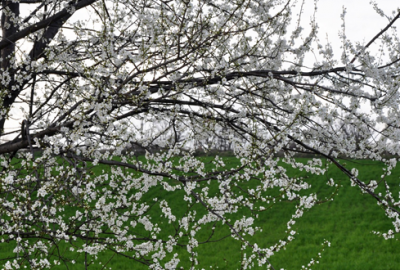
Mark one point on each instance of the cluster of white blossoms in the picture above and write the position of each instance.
(124, 107)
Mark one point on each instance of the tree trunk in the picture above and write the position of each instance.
(10, 11)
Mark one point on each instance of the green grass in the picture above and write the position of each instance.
(346, 222)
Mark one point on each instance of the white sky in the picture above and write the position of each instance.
(362, 21)
(362, 24)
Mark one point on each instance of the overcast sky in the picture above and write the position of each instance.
(362, 22)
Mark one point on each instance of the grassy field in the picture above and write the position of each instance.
(346, 222)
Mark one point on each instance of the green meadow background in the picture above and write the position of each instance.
(347, 223)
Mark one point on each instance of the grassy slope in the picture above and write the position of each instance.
(347, 222)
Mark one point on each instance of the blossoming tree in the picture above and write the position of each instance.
(111, 97)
